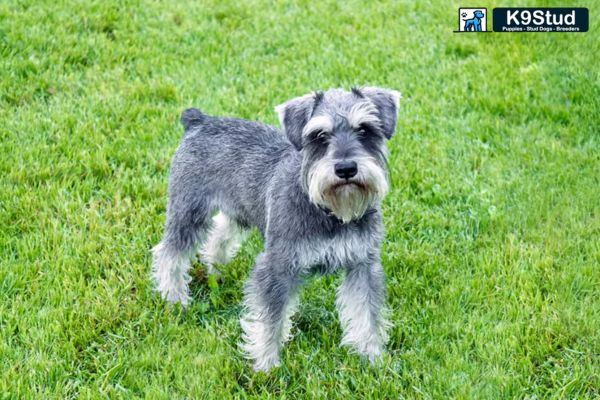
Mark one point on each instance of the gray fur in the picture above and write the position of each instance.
(285, 185)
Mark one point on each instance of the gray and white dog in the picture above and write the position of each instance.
(314, 193)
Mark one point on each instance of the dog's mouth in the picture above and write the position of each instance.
(348, 199)
(348, 183)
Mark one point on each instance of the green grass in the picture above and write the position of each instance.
(492, 248)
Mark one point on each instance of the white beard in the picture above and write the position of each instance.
(347, 200)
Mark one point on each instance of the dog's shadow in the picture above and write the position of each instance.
(213, 301)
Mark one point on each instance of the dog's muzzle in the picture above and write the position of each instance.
(347, 188)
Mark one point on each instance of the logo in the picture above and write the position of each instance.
(525, 19)
(541, 19)
(472, 19)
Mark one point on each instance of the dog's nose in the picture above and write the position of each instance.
(346, 169)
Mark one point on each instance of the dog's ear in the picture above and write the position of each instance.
(386, 101)
(293, 115)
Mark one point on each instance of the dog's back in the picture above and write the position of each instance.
(229, 161)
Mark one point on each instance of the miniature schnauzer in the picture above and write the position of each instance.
(313, 191)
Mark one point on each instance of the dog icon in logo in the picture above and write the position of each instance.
(473, 24)
(472, 19)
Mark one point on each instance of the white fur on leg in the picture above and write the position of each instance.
(262, 339)
(170, 274)
(224, 240)
(363, 321)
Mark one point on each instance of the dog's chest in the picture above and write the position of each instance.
(327, 255)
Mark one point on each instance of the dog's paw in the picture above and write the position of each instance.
(374, 353)
(266, 365)
(375, 356)
(263, 358)
(176, 297)
(372, 350)
(171, 293)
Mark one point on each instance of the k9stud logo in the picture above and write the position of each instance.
(524, 19)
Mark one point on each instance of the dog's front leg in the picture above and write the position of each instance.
(361, 305)
(269, 298)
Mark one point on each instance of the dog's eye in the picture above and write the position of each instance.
(317, 135)
(365, 130)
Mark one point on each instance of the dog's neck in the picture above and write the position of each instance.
(329, 214)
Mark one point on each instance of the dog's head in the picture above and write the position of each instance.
(342, 138)
(478, 14)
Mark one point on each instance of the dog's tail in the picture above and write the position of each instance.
(191, 117)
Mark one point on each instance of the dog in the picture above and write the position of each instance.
(314, 191)
(474, 24)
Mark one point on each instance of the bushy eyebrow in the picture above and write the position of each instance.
(363, 113)
(320, 123)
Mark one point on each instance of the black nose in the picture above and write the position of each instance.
(346, 169)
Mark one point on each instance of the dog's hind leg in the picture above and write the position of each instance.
(187, 224)
(224, 240)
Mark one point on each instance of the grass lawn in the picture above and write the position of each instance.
(492, 249)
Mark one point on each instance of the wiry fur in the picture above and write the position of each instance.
(312, 218)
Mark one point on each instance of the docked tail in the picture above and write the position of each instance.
(192, 117)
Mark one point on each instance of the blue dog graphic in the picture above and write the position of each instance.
(474, 24)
